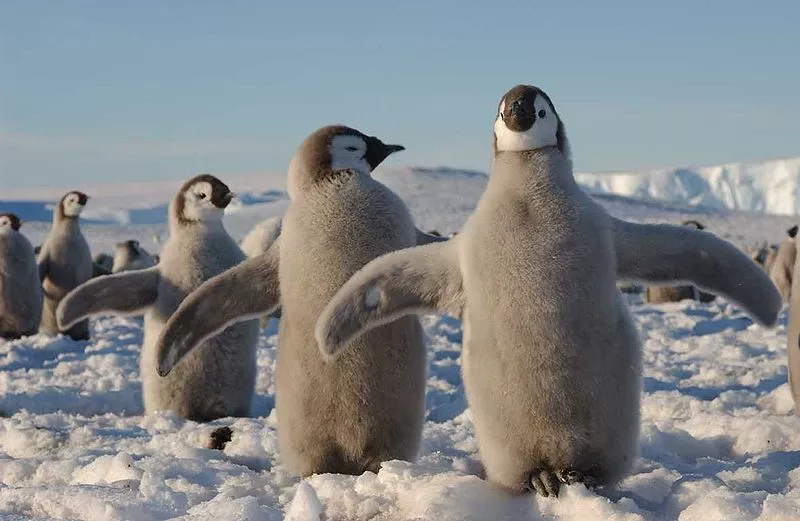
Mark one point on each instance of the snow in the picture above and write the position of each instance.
(769, 187)
(719, 437)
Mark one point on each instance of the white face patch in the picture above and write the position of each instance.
(72, 205)
(347, 153)
(197, 205)
(5, 225)
(541, 134)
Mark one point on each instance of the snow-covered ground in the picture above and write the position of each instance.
(719, 441)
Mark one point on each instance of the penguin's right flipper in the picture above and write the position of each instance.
(247, 291)
(413, 280)
(125, 293)
(660, 253)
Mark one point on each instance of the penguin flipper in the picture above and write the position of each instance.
(43, 264)
(659, 253)
(413, 280)
(427, 238)
(247, 291)
(120, 294)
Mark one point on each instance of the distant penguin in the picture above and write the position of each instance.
(20, 289)
(129, 255)
(257, 241)
(261, 236)
(65, 262)
(369, 406)
(662, 294)
(769, 258)
(102, 264)
(218, 378)
(793, 334)
(551, 358)
(782, 270)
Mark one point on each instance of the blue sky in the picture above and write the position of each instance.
(104, 90)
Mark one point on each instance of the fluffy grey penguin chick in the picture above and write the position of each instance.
(129, 255)
(551, 361)
(257, 241)
(368, 407)
(793, 334)
(218, 378)
(65, 263)
(20, 289)
(782, 269)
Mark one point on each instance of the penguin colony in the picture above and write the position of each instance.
(551, 366)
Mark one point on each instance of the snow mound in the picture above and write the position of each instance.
(767, 187)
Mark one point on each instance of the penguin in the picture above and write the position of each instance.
(102, 264)
(218, 378)
(368, 407)
(793, 330)
(260, 238)
(661, 294)
(65, 263)
(257, 241)
(782, 268)
(551, 358)
(771, 255)
(20, 289)
(129, 255)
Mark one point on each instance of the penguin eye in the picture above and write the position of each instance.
(351, 148)
(202, 195)
(541, 113)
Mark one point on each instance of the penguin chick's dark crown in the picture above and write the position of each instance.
(15, 222)
(519, 111)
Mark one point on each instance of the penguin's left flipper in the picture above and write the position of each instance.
(427, 238)
(659, 253)
(413, 280)
(125, 293)
(247, 291)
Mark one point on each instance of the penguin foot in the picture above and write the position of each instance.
(571, 475)
(544, 482)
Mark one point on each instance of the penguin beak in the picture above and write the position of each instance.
(224, 201)
(83, 199)
(377, 151)
(391, 149)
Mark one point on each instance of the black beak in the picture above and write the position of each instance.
(83, 199)
(378, 151)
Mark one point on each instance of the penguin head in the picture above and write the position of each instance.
(131, 246)
(202, 198)
(333, 149)
(527, 120)
(9, 222)
(72, 204)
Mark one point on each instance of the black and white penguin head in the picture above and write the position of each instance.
(527, 120)
(202, 198)
(72, 204)
(333, 149)
(131, 245)
(9, 222)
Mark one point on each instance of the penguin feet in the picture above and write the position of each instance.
(547, 482)
(544, 482)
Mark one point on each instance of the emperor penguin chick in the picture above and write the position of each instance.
(218, 378)
(129, 255)
(551, 359)
(368, 407)
(20, 289)
(65, 263)
(781, 270)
